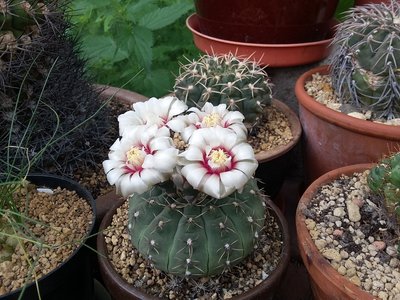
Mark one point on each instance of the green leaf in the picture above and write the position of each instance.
(141, 43)
(164, 16)
(99, 47)
(135, 10)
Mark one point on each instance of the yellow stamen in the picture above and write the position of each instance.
(135, 156)
(212, 120)
(218, 157)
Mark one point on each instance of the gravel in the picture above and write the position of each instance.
(240, 278)
(352, 230)
(58, 222)
(320, 88)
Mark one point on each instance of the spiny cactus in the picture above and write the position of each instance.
(385, 179)
(43, 81)
(241, 84)
(365, 66)
(198, 238)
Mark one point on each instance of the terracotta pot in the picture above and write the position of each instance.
(270, 22)
(120, 289)
(271, 55)
(326, 282)
(73, 278)
(333, 139)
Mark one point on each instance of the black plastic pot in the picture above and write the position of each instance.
(73, 279)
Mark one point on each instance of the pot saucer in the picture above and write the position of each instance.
(271, 55)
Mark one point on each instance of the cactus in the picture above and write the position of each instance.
(241, 84)
(366, 61)
(42, 83)
(385, 179)
(197, 238)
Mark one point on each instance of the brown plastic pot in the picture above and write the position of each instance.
(120, 289)
(271, 55)
(333, 139)
(268, 22)
(326, 282)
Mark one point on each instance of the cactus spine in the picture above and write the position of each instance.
(241, 84)
(365, 66)
(198, 238)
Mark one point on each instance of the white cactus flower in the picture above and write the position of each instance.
(153, 111)
(211, 116)
(141, 158)
(217, 161)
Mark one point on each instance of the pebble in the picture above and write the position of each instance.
(339, 212)
(353, 211)
(331, 254)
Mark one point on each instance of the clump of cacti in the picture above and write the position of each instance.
(365, 65)
(240, 83)
(384, 179)
(193, 210)
(43, 83)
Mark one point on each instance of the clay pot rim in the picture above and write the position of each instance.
(107, 268)
(322, 267)
(389, 132)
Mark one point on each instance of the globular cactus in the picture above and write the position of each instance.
(365, 65)
(385, 179)
(198, 238)
(241, 84)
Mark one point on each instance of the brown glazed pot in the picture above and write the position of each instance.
(269, 22)
(120, 289)
(332, 139)
(326, 282)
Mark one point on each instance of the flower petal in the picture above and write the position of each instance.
(194, 174)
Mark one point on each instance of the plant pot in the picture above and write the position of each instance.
(73, 278)
(275, 164)
(326, 282)
(270, 22)
(120, 289)
(333, 139)
(266, 54)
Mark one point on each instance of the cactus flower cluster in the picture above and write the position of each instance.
(239, 83)
(365, 65)
(194, 211)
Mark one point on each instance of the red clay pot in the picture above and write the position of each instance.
(270, 22)
(120, 289)
(326, 282)
(333, 139)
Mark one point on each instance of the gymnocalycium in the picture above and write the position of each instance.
(365, 67)
(240, 83)
(194, 206)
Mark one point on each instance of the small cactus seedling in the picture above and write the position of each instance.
(241, 84)
(198, 238)
(385, 179)
(365, 66)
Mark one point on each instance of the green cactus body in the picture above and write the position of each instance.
(196, 239)
(385, 179)
(365, 66)
(240, 84)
